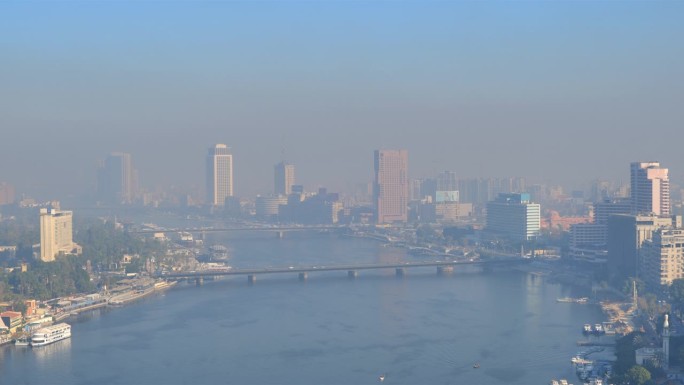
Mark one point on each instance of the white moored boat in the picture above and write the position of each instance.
(50, 334)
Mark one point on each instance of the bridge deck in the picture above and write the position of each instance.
(307, 269)
(236, 229)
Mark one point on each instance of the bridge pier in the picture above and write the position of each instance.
(280, 234)
(303, 276)
(400, 271)
(352, 274)
(444, 270)
(251, 279)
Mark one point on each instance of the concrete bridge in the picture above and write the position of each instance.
(442, 267)
(280, 231)
(226, 229)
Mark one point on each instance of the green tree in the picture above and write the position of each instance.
(19, 305)
(624, 352)
(426, 233)
(677, 290)
(636, 375)
(677, 294)
(680, 355)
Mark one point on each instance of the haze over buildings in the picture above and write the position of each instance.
(283, 178)
(116, 179)
(482, 89)
(7, 193)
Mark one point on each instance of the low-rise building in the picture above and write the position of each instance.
(12, 320)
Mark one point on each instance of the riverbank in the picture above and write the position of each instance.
(64, 308)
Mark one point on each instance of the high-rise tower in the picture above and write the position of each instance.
(390, 188)
(116, 182)
(283, 178)
(650, 188)
(219, 175)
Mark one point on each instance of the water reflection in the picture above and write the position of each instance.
(61, 349)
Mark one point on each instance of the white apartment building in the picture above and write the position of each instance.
(219, 175)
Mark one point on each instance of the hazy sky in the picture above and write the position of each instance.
(561, 92)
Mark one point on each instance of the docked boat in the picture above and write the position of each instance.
(573, 300)
(598, 328)
(22, 341)
(587, 328)
(51, 334)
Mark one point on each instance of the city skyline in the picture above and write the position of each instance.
(341, 191)
(539, 90)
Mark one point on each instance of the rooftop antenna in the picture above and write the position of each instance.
(282, 149)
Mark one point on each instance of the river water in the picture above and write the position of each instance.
(419, 329)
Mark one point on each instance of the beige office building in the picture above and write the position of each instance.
(56, 234)
(662, 257)
(390, 188)
(627, 234)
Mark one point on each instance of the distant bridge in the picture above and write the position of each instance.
(352, 270)
(242, 229)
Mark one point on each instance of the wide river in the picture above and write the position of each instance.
(419, 329)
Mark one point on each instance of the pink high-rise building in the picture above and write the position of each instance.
(650, 188)
(391, 187)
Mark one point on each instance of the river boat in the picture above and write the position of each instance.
(476, 366)
(573, 300)
(50, 334)
(578, 360)
(587, 328)
(598, 328)
(22, 341)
